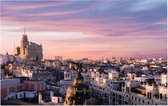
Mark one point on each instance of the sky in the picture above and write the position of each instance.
(87, 28)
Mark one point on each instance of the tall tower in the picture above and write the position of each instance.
(79, 92)
(24, 43)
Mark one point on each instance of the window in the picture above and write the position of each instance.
(160, 96)
(58, 100)
(165, 97)
(119, 102)
(150, 95)
(16, 96)
(24, 94)
(113, 100)
(20, 95)
(127, 89)
(119, 96)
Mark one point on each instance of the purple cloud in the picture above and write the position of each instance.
(112, 20)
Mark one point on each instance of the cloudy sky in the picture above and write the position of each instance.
(88, 28)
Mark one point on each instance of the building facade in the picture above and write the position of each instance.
(29, 50)
(10, 87)
(113, 91)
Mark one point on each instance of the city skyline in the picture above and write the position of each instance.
(87, 29)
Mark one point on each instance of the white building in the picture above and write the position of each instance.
(127, 92)
(113, 75)
(56, 99)
(23, 72)
(67, 81)
(87, 78)
(22, 94)
(9, 58)
(163, 79)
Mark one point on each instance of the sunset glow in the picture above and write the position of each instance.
(92, 29)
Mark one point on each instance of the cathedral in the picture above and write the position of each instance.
(29, 50)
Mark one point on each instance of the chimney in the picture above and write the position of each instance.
(51, 94)
(39, 98)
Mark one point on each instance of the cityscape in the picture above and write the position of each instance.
(88, 52)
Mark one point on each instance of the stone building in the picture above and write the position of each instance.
(113, 91)
(29, 50)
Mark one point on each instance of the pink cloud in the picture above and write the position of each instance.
(42, 4)
(109, 36)
(62, 12)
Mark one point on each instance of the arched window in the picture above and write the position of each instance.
(150, 95)
(68, 75)
(165, 97)
(160, 96)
